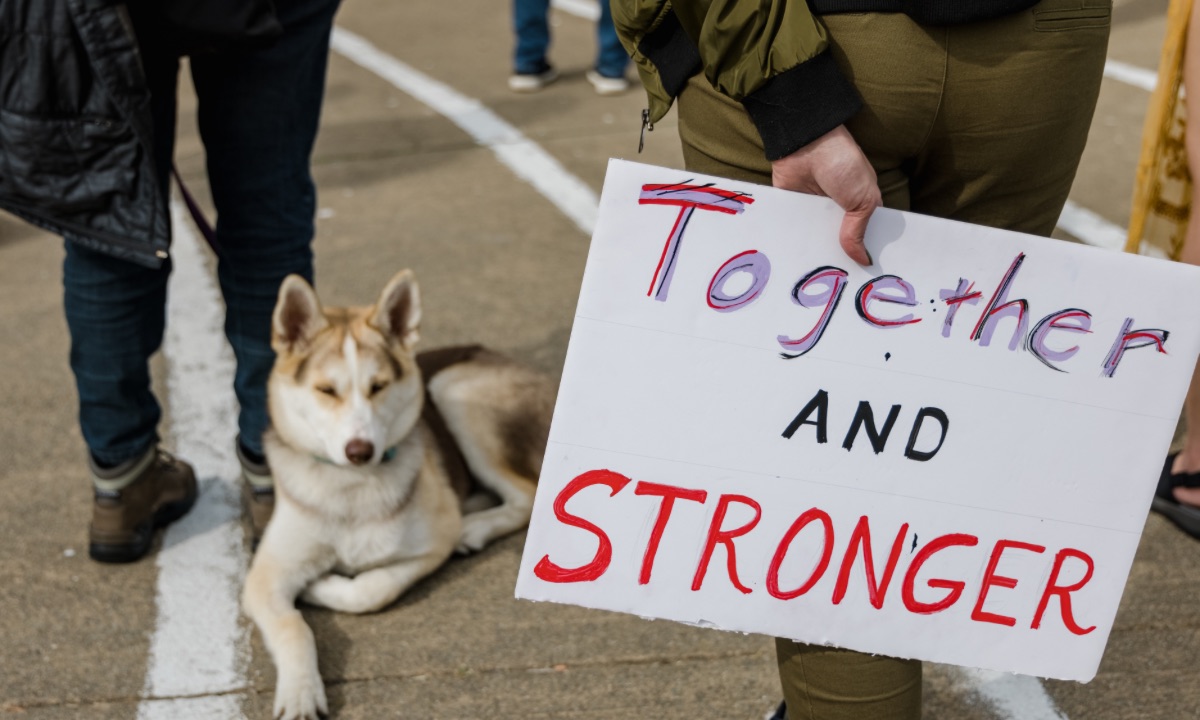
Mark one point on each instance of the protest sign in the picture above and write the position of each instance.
(948, 455)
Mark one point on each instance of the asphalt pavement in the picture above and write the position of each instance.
(406, 180)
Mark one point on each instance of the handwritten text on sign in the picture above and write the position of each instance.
(948, 455)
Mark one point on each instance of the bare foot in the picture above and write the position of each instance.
(1186, 463)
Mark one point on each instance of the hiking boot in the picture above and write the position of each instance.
(135, 498)
(528, 82)
(258, 493)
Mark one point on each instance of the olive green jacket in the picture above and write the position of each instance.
(770, 55)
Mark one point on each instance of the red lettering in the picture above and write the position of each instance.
(1129, 339)
(669, 495)
(548, 570)
(862, 537)
(827, 551)
(887, 289)
(1064, 592)
(725, 537)
(955, 587)
(990, 578)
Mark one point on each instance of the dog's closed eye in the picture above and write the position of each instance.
(329, 390)
(377, 387)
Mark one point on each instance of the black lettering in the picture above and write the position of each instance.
(866, 417)
(911, 452)
(820, 405)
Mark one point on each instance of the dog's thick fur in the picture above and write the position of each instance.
(364, 480)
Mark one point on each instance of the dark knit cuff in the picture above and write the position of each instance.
(800, 105)
(672, 52)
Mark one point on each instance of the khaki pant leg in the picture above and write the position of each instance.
(821, 683)
(717, 135)
(1020, 93)
(983, 123)
(898, 68)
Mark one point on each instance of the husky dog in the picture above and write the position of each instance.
(372, 448)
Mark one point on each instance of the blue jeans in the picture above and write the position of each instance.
(533, 39)
(258, 116)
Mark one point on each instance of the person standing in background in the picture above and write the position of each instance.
(532, 71)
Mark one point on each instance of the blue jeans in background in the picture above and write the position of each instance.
(532, 28)
(258, 116)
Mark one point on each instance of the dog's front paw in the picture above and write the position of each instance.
(329, 591)
(477, 531)
(300, 696)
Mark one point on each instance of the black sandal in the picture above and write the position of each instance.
(1187, 517)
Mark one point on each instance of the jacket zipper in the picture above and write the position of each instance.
(646, 126)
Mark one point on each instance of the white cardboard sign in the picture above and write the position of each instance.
(948, 455)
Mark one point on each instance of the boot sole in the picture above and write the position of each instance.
(136, 550)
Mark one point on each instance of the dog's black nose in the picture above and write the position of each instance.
(360, 452)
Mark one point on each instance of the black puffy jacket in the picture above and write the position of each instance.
(76, 152)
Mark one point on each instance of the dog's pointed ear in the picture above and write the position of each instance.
(397, 313)
(298, 316)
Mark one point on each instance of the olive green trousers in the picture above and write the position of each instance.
(983, 123)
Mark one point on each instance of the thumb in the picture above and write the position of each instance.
(853, 231)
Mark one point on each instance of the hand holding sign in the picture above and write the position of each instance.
(834, 166)
(949, 457)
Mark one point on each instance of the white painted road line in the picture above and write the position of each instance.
(1091, 228)
(1087, 226)
(524, 157)
(1131, 75)
(1011, 696)
(200, 650)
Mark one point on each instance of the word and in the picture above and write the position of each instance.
(914, 585)
(864, 420)
(743, 278)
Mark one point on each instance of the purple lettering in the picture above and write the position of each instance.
(1000, 307)
(1069, 320)
(751, 262)
(832, 282)
(965, 293)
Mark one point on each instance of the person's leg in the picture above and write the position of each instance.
(115, 309)
(1020, 92)
(717, 135)
(823, 683)
(718, 138)
(532, 28)
(258, 118)
(611, 58)
(898, 68)
(115, 313)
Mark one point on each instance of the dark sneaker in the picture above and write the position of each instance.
(258, 493)
(161, 491)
